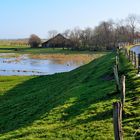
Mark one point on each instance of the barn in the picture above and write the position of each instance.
(59, 41)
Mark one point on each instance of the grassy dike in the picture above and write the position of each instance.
(73, 105)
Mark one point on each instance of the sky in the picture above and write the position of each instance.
(21, 18)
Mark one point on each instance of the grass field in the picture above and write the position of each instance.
(28, 50)
(73, 105)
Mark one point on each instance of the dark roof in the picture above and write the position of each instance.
(58, 39)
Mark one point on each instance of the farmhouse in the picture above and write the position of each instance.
(59, 41)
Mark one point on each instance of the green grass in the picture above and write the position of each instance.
(28, 50)
(131, 114)
(73, 105)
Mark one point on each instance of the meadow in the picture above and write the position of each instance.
(60, 106)
(29, 50)
(70, 105)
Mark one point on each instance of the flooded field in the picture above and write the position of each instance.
(27, 64)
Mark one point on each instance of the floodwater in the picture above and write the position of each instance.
(25, 64)
(136, 49)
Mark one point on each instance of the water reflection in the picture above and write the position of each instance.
(136, 49)
(15, 64)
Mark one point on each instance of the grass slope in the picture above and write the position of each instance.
(72, 105)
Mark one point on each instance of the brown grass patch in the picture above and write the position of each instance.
(63, 58)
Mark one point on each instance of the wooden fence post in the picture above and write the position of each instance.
(123, 90)
(126, 52)
(135, 60)
(118, 50)
(138, 62)
(116, 78)
(129, 55)
(132, 56)
(117, 120)
(117, 63)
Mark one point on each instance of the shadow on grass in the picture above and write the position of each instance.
(28, 101)
(131, 110)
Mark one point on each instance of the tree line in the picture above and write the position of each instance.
(106, 36)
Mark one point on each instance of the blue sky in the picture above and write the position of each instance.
(20, 18)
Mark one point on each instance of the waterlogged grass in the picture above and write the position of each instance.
(73, 105)
(63, 58)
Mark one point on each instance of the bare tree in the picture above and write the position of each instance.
(107, 35)
(52, 33)
(104, 35)
(66, 33)
(86, 37)
(75, 37)
(34, 41)
(132, 21)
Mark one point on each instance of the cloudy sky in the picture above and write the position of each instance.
(20, 18)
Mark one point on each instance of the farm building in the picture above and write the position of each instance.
(59, 41)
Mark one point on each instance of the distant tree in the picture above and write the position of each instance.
(34, 41)
(52, 33)
(132, 21)
(67, 33)
(104, 35)
(122, 33)
(75, 38)
(86, 38)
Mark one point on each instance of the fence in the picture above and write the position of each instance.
(133, 58)
(118, 106)
(120, 87)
